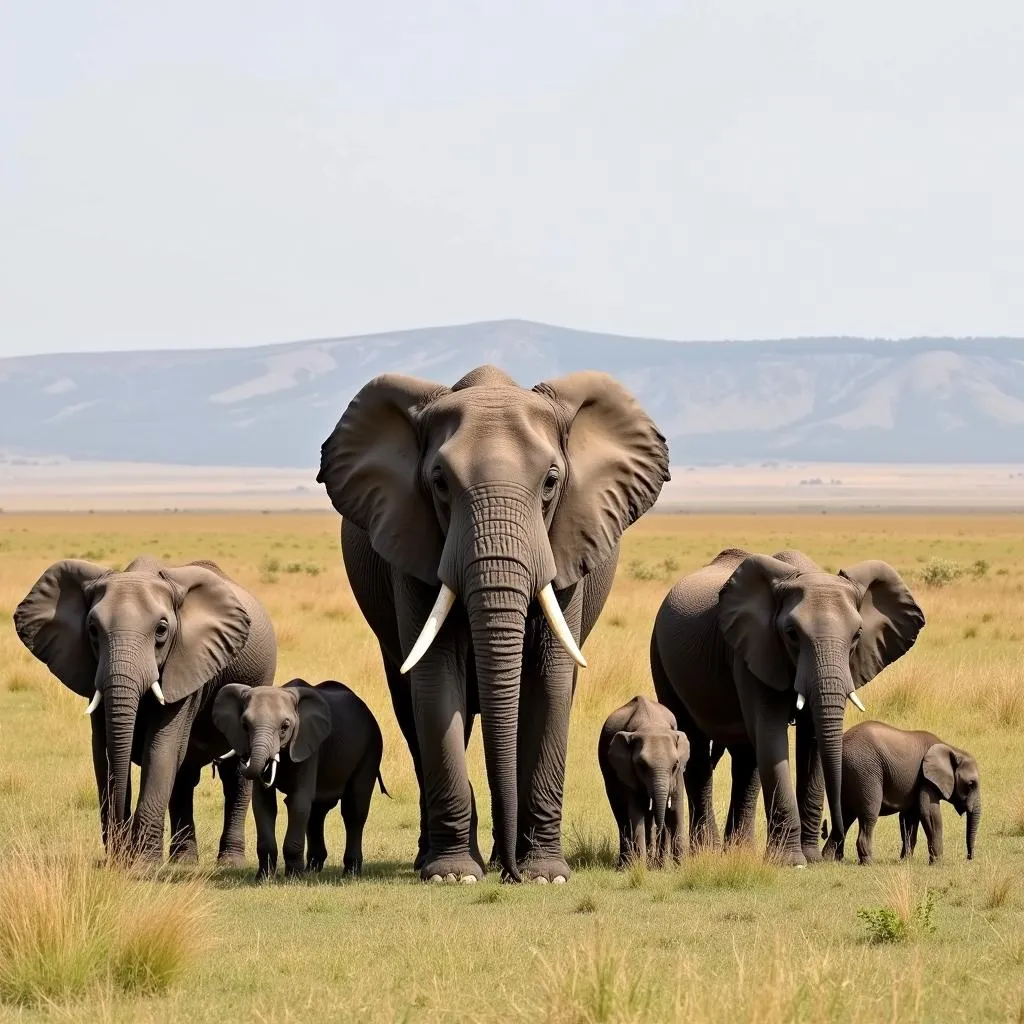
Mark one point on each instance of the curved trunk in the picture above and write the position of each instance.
(659, 799)
(121, 707)
(262, 748)
(973, 821)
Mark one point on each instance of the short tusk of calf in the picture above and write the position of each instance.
(556, 620)
(158, 692)
(856, 701)
(94, 703)
(435, 620)
(670, 803)
(224, 757)
(650, 806)
(801, 700)
(273, 774)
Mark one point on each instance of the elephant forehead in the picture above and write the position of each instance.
(270, 700)
(493, 408)
(130, 591)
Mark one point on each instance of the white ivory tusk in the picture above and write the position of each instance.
(245, 763)
(273, 772)
(224, 757)
(158, 692)
(277, 756)
(435, 620)
(94, 703)
(800, 701)
(856, 701)
(556, 620)
(650, 806)
(669, 803)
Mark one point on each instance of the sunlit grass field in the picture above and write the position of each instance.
(717, 940)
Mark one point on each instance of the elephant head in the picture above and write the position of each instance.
(501, 496)
(954, 773)
(650, 762)
(821, 634)
(113, 637)
(259, 722)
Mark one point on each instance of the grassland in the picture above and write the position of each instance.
(717, 940)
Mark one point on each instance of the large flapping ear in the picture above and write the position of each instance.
(939, 768)
(616, 464)
(314, 721)
(620, 757)
(891, 618)
(51, 622)
(213, 627)
(682, 749)
(747, 604)
(228, 706)
(370, 466)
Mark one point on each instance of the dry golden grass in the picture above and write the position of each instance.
(718, 939)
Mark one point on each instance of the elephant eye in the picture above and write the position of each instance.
(161, 630)
(858, 634)
(286, 725)
(550, 483)
(439, 482)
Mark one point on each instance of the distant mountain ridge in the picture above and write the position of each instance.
(812, 399)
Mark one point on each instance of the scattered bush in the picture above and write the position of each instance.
(585, 849)
(587, 904)
(903, 917)
(737, 867)
(940, 572)
(980, 569)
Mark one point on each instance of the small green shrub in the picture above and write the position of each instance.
(940, 572)
(980, 569)
(587, 904)
(899, 921)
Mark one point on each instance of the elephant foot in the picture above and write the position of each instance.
(188, 856)
(788, 858)
(539, 867)
(316, 864)
(812, 854)
(452, 867)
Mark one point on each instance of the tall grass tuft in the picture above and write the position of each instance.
(68, 928)
(586, 849)
(736, 867)
(906, 914)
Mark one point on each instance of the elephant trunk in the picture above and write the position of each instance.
(262, 747)
(659, 804)
(121, 706)
(830, 686)
(973, 821)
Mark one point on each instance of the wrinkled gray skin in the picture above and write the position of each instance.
(642, 757)
(494, 490)
(329, 746)
(191, 629)
(733, 646)
(892, 771)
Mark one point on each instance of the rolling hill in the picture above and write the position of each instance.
(813, 399)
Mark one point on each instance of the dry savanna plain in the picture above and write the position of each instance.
(722, 938)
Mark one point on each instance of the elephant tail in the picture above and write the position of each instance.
(380, 780)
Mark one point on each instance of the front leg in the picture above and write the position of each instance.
(238, 792)
(810, 785)
(184, 846)
(766, 713)
(637, 828)
(675, 824)
(909, 820)
(264, 810)
(299, 803)
(548, 682)
(930, 810)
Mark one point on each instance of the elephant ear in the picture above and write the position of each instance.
(228, 706)
(620, 757)
(891, 618)
(314, 721)
(370, 466)
(213, 626)
(746, 616)
(683, 749)
(616, 464)
(939, 768)
(50, 621)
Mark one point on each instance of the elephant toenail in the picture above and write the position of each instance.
(559, 879)
(541, 880)
(436, 878)
(449, 877)
(468, 879)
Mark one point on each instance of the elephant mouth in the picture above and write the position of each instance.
(269, 772)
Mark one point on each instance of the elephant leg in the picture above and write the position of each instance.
(355, 809)
(618, 800)
(909, 820)
(163, 755)
(401, 701)
(316, 845)
(184, 845)
(931, 821)
(637, 830)
(810, 786)
(698, 779)
(675, 824)
(264, 810)
(299, 804)
(237, 791)
(865, 836)
(100, 771)
(548, 682)
(739, 826)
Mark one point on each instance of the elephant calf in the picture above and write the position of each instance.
(642, 757)
(317, 745)
(893, 771)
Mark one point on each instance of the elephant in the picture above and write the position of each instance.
(152, 644)
(888, 771)
(480, 534)
(642, 757)
(750, 643)
(316, 744)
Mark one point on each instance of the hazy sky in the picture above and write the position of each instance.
(193, 174)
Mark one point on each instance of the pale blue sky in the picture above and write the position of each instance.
(215, 173)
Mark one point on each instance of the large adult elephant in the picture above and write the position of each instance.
(152, 645)
(480, 534)
(749, 643)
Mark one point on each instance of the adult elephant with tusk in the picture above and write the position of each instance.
(749, 643)
(150, 646)
(480, 535)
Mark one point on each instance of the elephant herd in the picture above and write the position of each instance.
(480, 534)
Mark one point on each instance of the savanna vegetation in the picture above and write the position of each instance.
(723, 938)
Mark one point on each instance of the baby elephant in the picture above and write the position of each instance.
(317, 745)
(890, 771)
(642, 757)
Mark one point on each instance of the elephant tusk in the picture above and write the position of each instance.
(669, 807)
(158, 692)
(801, 700)
(273, 774)
(650, 806)
(435, 620)
(856, 701)
(556, 620)
(94, 703)
(245, 763)
(277, 756)
(224, 757)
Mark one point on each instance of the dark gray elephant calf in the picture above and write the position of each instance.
(642, 757)
(152, 645)
(892, 771)
(316, 744)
